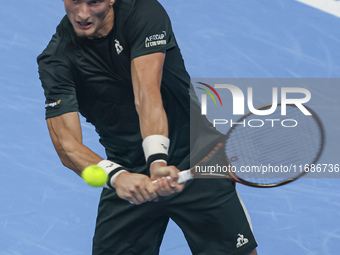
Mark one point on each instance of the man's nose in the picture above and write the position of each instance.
(83, 11)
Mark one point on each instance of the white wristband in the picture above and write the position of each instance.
(159, 160)
(113, 178)
(112, 169)
(156, 147)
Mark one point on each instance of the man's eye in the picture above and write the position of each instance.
(95, 2)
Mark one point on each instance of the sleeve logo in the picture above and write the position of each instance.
(155, 40)
(53, 104)
(241, 240)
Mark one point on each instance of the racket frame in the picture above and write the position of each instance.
(220, 148)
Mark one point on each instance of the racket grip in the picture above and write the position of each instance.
(184, 176)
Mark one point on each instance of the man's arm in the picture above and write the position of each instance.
(146, 72)
(66, 135)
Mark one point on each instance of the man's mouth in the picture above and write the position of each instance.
(84, 25)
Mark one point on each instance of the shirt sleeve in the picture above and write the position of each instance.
(55, 73)
(149, 29)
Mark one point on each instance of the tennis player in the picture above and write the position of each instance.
(118, 64)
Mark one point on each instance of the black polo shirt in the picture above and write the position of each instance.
(93, 77)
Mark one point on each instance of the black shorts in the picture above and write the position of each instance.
(209, 212)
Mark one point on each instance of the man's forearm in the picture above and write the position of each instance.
(153, 119)
(66, 137)
(78, 157)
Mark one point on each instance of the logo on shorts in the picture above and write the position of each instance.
(119, 48)
(241, 240)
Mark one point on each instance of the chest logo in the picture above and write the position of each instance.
(119, 48)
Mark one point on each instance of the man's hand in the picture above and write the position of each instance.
(165, 186)
(136, 188)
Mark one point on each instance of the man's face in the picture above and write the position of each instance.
(90, 18)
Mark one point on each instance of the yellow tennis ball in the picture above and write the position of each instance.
(94, 176)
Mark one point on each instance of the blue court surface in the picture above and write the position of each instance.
(45, 209)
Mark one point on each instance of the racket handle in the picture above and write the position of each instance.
(183, 176)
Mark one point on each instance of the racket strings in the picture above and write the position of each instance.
(274, 152)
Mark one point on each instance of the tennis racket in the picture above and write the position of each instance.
(264, 151)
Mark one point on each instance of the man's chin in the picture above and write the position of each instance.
(83, 34)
